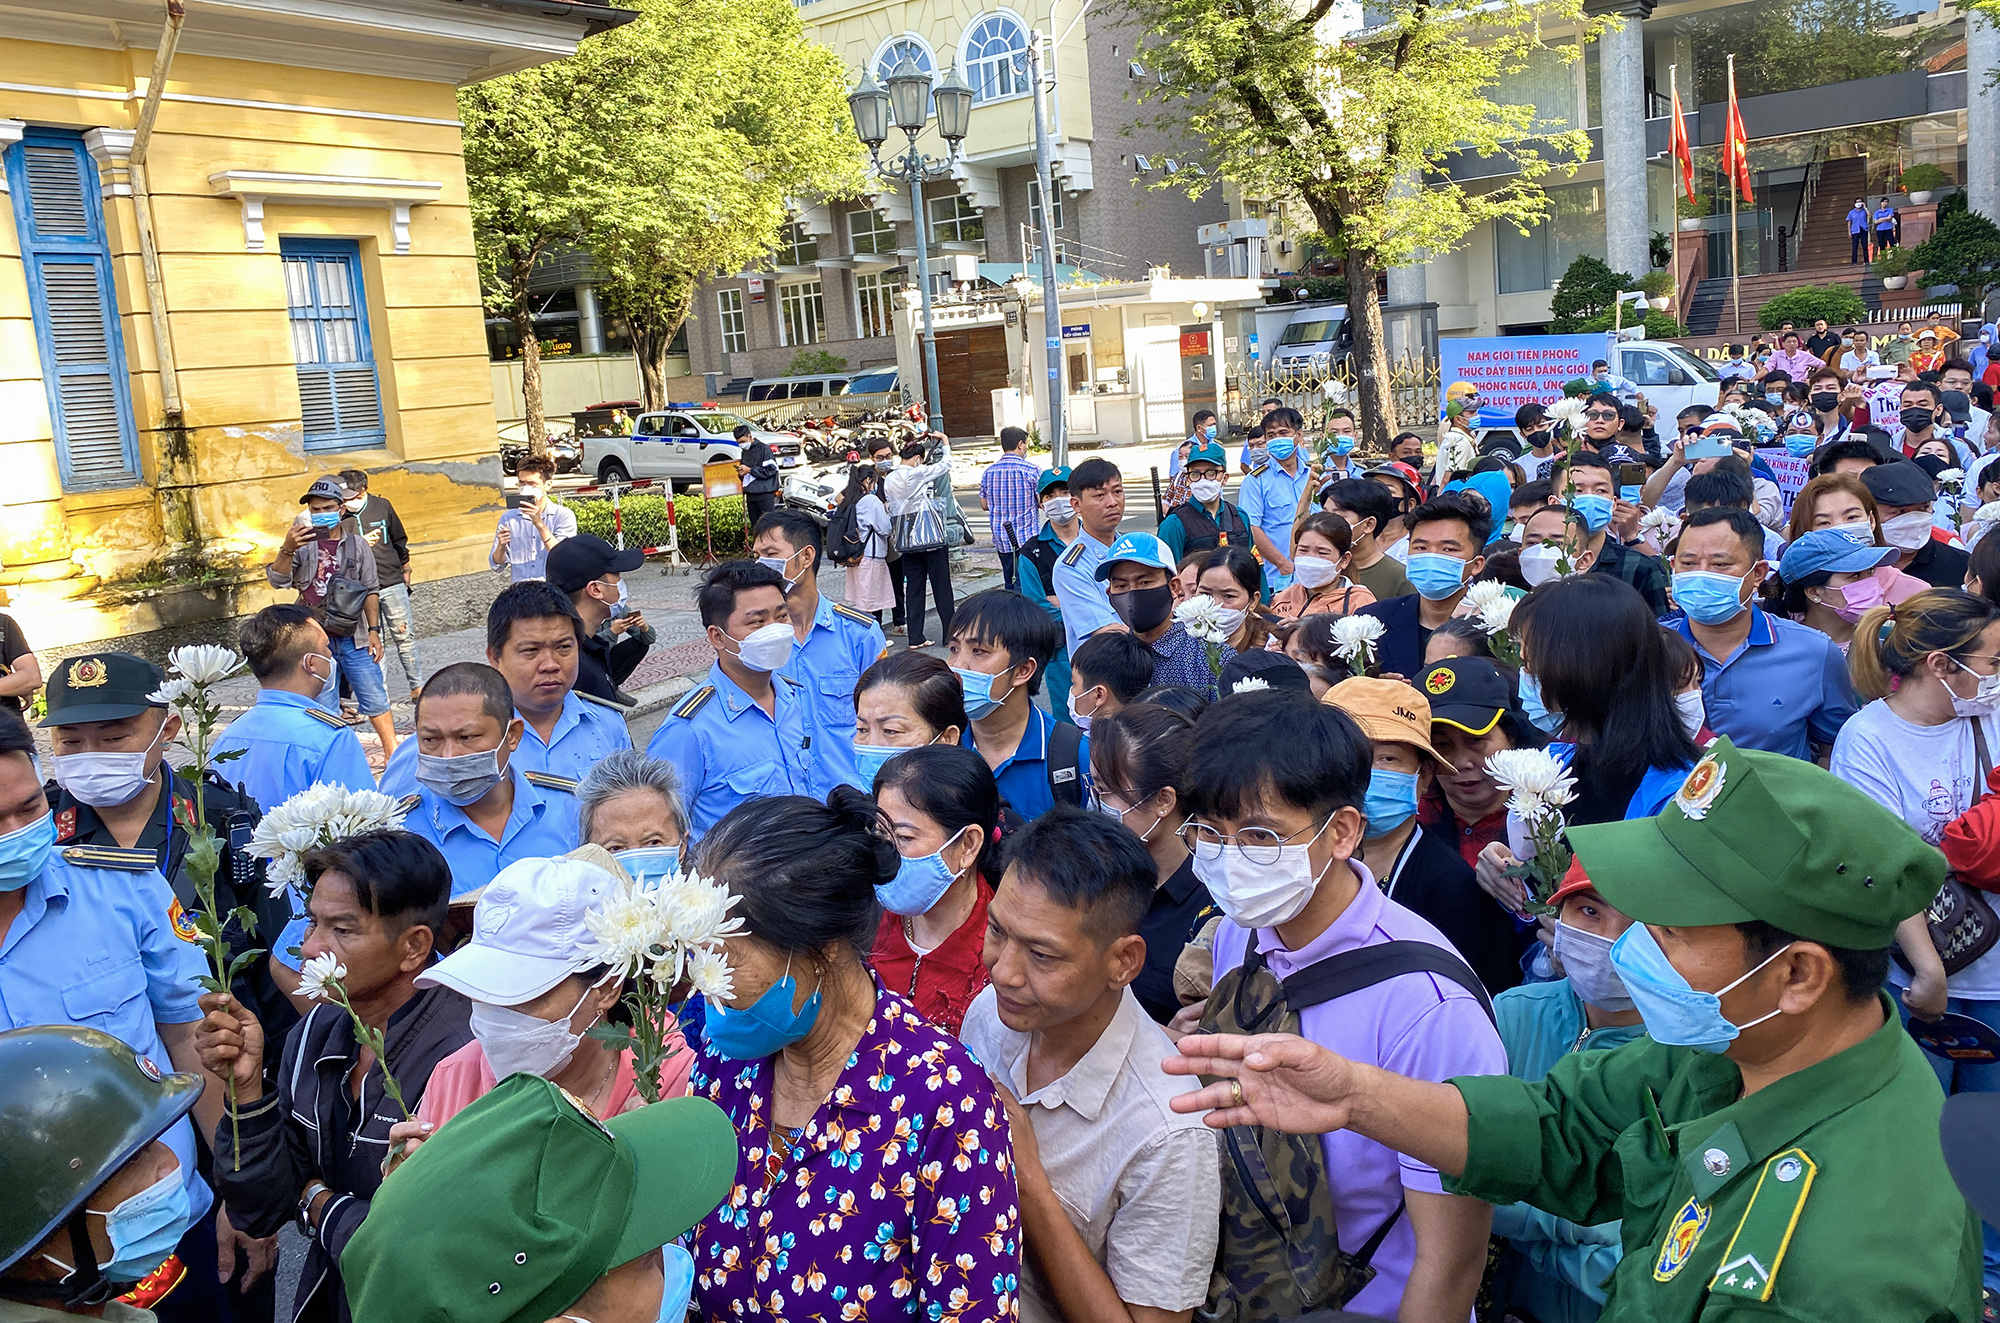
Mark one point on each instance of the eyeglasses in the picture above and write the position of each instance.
(1260, 845)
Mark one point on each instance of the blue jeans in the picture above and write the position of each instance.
(1961, 1077)
(363, 676)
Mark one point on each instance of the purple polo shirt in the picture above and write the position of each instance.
(1418, 1025)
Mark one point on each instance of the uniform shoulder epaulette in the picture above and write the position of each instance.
(855, 614)
(796, 684)
(111, 856)
(601, 702)
(1258, 472)
(1074, 554)
(325, 718)
(692, 703)
(550, 781)
(408, 803)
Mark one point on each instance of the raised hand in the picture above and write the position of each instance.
(1275, 1080)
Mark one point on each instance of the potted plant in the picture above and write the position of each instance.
(1658, 287)
(1692, 214)
(1922, 181)
(1893, 266)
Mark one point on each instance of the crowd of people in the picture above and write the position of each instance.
(1183, 940)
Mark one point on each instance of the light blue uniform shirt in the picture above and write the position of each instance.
(842, 643)
(585, 734)
(728, 750)
(1269, 499)
(289, 744)
(99, 947)
(542, 825)
(1086, 606)
(1785, 688)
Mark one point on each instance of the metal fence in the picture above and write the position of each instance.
(1413, 389)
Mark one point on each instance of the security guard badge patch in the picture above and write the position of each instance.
(1750, 1264)
(1683, 1234)
(183, 922)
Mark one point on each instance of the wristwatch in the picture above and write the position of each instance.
(313, 1190)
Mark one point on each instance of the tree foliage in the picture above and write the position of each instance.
(1806, 304)
(1586, 290)
(1964, 252)
(1782, 47)
(1361, 127)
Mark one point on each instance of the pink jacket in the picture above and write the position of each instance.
(464, 1077)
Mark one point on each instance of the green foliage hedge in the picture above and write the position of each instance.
(1803, 306)
(646, 523)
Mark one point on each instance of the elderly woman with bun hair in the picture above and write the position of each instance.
(873, 1176)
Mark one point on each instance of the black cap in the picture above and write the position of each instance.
(1899, 483)
(1275, 669)
(101, 686)
(1467, 692)
(575, 561)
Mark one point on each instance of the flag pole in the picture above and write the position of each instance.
(1735, 245)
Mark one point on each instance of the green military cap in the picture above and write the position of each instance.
(1208, 452)
(101, 686)
(521, 1201)
(1753, 835)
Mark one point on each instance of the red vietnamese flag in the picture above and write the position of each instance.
(1736, 143)
(1678, 145)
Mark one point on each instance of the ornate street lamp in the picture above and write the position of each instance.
(870, 106)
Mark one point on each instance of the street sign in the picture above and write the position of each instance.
(1080, 331)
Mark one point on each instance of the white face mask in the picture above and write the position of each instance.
(1908, 532)
(1260, 895)
(1059, 509)
(515, 1041)
(1205, 490)
(1082, 719)
(1693, 712)
(1985, 700)
(324, 680)
(354, 506)
(1314, 571)
(104, 780)
(766, 648)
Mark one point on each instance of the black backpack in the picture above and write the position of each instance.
(845, 541)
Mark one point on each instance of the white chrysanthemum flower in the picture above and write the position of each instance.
(1951, 477)
(1356, 636)
(1657, 518)
(1536, 783)
(1485, 592)
(1249, 684)
(204, 663)
(1496, 615)
(172, 692)
(1202, 617)
(709, 971)
(317, 973)
(1988, 513)
(319, 815)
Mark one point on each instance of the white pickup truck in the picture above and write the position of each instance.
(674, 443)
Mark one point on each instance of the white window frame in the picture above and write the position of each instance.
(962, 210)
(729, 320)
(882, 62)
(874, 304)
(995, 76)
(879, 226)
(801, 313)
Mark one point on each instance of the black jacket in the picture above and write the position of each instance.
(1400, 650)
(762, 462)
(1433, 879)
(392, 544)
(602, 666)
(305, 1131)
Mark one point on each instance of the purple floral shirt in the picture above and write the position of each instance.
(897, 1199)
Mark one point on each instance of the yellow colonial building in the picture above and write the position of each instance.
(212, 295)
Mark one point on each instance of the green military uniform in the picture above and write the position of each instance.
(543, 1199)
(1823, 1195)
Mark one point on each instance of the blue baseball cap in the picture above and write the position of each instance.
(1141, 547)
(1050, 477)
(1833, 550)
(1208, 452)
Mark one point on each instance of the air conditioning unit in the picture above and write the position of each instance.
(1284, 245)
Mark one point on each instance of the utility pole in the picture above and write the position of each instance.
(1051, 306)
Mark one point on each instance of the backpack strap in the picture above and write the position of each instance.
(1351, 971)
(1064, 757)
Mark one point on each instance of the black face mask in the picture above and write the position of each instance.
(1916, 420)
(1540, 439)
(1144, 609)
(1823, 401)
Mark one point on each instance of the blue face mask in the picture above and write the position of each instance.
(1391, 800)
(1630, 495)
(679, 1265)
(1596, 511)
(1282, 448)
(1208, 432)
(1435, 577)
(325, 518)
(24, 852)
(1708, 599)
(650, 861)
(869, 758)
(1343, 446)
(1536, 710)
(1801, 444)
(1676, 1014)
(765, 1026)
(1771, 398)
(979, 699)
(919, 884)
(145, 1228)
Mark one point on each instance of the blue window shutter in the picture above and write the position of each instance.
(75, 306)
(340, 398)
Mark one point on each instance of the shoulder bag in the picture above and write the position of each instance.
(1962, 923)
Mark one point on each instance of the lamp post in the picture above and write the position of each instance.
(903, 106)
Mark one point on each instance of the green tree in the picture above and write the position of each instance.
(1964, 252)
(1586, 291)
(1780, 48)
(1360, 128)
(728, 114)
